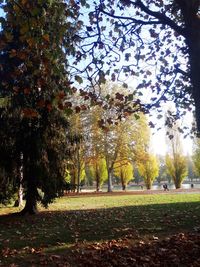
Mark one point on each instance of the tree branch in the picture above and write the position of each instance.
(23, 11)
(160, 16)
(138, 21)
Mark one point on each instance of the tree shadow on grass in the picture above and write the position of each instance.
(68, 232)
(51, 228)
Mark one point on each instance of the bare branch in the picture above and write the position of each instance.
(160, 16)
(138, 21)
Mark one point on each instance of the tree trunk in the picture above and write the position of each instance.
(195, 80)
(31, 199)
(97, 183)
(123, 184)
(192, 29)
(148, 184)
(177, 184)
(78, 171)
(109, 180)
(124, 187)
(73, 182)
(19, 201)
(31, 189)
(78, 182)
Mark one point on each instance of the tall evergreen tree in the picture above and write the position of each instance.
(35, 39)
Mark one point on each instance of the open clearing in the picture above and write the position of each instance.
(105, 230)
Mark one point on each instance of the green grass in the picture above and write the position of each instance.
(99, 218)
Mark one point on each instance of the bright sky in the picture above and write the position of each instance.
(159, 144)
(158, 140)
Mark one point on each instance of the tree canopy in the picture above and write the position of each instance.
(157, 41)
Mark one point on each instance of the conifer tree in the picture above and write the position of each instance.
(36, 38)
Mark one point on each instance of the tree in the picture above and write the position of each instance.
(132, 138)
(98, 170)
(95, 159)
(77, 149)
(196, 156)
(140, 138)
(120, 143)
(110, 136)
(110, 146)
(35, 40)
(176, 168)
(104, 134)
(124, 170)
(146, 164)
(137, 176)
(191, 168)
(176, 163)
(163, 175)
(77, 175)
(148, 169)
(138, 34)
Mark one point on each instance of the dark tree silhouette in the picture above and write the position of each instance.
(36, 38)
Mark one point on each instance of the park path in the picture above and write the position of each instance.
(135, 192)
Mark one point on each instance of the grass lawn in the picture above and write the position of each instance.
(58, 234)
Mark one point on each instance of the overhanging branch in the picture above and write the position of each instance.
(138, 21)
(160, 16)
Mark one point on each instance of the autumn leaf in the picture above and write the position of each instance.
(119, 96)
(22, 55)
(60, 106)
(24, 2)
(30, 113)
(49, 107)
(13, 53)
(68, 104)
(77, 109)
(31, 42)
(61, 94)
(27, 91)
(83, 107)
(41, 103)
(46, 37)
(78, 79)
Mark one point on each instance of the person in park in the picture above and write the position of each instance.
(165, 187)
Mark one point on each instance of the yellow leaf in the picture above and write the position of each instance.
(46, 37)
(13, 53)
(24, 29)
(24, 2)
(30, 42)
